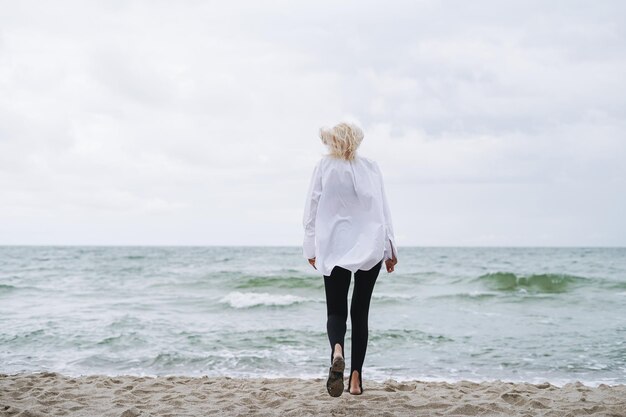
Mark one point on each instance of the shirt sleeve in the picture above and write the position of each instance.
(390, 240)
(310, 211)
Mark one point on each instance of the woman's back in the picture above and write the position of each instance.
(350, 185)
(346, 219)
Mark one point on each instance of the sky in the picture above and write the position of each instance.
(196, 122)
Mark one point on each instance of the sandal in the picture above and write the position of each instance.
(360, 384)
(334, 384)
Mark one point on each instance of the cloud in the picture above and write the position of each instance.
(196, 122)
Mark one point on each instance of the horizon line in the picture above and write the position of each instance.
(296, 246)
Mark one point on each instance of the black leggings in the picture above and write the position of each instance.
(337, 285)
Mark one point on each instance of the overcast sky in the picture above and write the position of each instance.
(195, 122)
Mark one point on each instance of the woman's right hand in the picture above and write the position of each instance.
(391, 263)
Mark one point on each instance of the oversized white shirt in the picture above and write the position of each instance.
(346, 219)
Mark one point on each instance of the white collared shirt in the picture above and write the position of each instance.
(346, 219)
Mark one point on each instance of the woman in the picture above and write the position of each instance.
(348, 230)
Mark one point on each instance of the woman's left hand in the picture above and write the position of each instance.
(391, 263)
(312, 262)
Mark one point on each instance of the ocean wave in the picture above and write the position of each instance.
(616, 285)
(173, 359)
(547, 283)
(253, 299)
(472, 295)
(135, 257)
(391, 297)
(26, 338)
(132, 339)
(282, 282)
(407, 335)
(6, 288)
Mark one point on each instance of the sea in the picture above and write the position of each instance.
(532, 314)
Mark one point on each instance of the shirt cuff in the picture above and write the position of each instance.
(389, 251)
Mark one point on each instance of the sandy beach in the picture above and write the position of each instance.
(53, 394)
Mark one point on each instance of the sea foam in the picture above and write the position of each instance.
(239, 299)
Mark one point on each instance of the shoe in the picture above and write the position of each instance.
(334, 384)
(360, 385)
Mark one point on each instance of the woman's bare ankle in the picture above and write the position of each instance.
(338, 351)
(354, 383)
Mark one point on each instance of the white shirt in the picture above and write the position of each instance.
(346, 218)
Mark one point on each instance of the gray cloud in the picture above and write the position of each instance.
(196, 122)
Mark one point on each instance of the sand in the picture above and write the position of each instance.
(52, 394)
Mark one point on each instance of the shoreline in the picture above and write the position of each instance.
(559, 383)
(51, 393)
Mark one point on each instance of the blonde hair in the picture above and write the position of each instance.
(342, 140)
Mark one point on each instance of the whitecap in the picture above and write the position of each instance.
(251, 299)
(389, 296)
